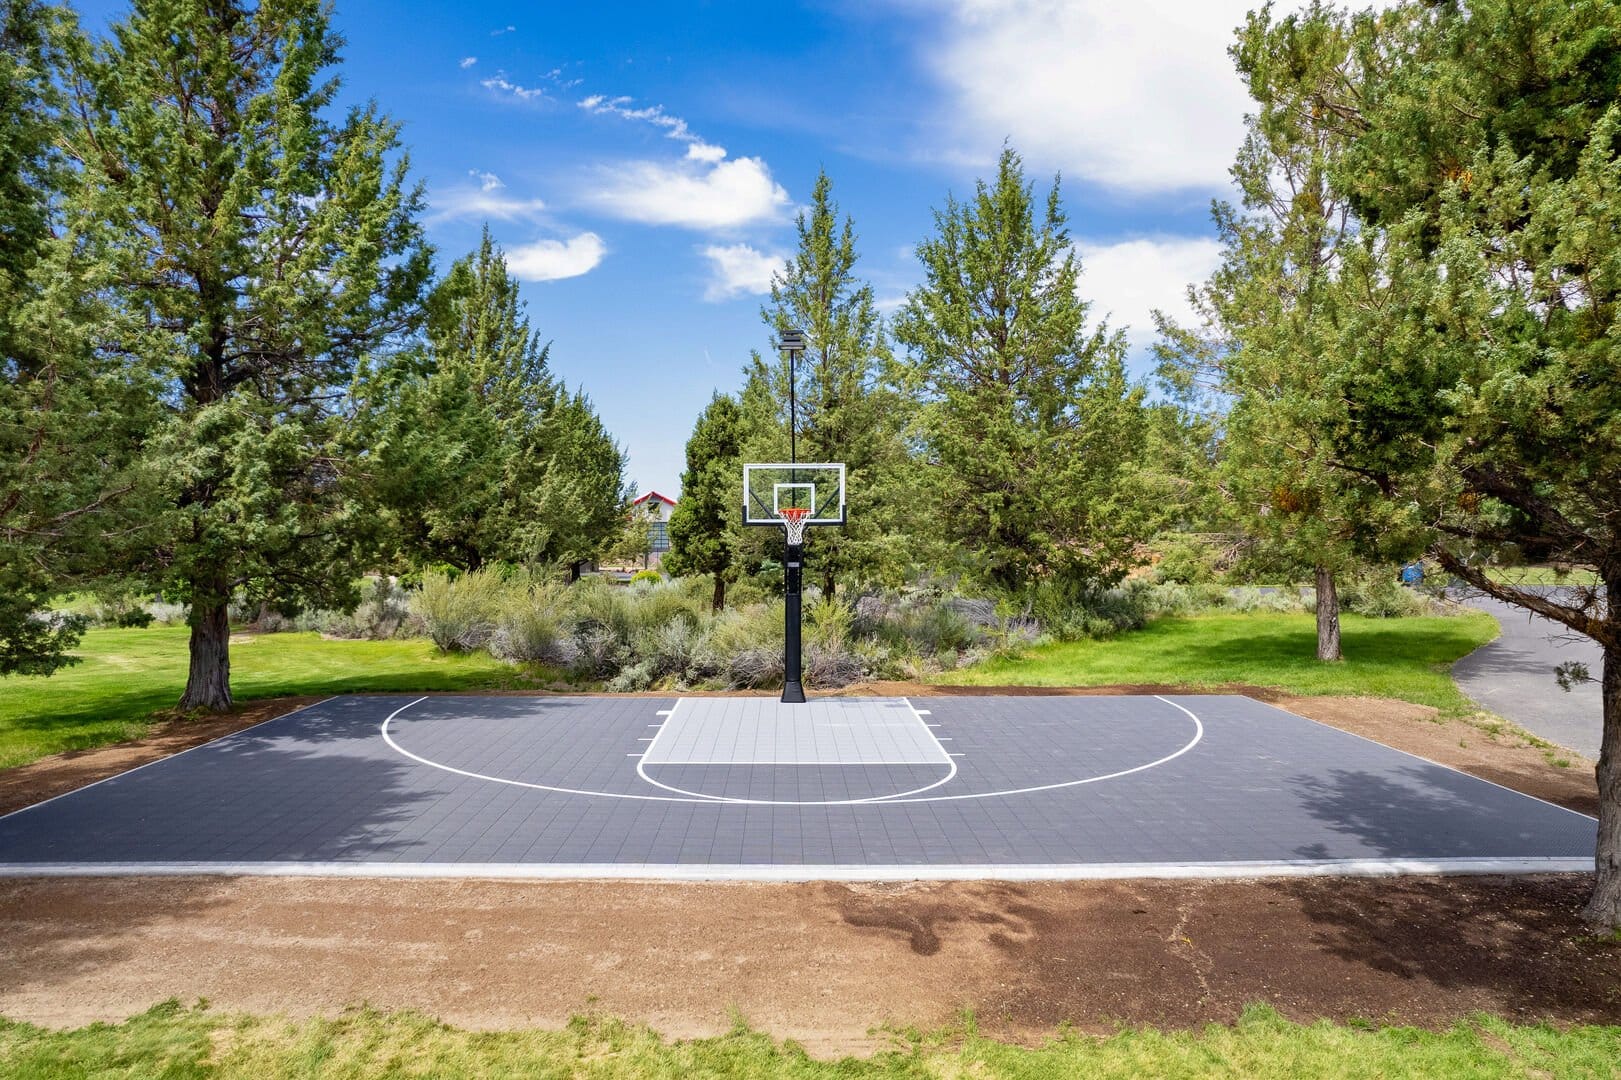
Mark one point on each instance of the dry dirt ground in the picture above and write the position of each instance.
(825, 963)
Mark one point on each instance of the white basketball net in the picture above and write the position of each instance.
(793, 523)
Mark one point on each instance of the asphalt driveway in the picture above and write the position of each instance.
(1514, 677)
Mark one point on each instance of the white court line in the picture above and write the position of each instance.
(171, 757)
(816, 872)
(516, 783)
(817, 761)
(687, 797)
(1427, 761)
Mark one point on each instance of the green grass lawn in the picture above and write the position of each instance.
(1399, 658)
(127, 675)
(179, 1043)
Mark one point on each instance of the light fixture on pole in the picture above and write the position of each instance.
(792, 342)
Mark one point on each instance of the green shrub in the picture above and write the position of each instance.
(1286, 599)
(384, 612)
(532, 623)
(1377, 594)
(459, 615)
(828, 623)
(652, 577)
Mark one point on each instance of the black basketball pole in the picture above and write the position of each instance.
(793, 692)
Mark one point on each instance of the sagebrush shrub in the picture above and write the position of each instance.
(460, 614)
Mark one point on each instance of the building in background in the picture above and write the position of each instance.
(655, 509)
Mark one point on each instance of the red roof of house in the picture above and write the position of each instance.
(649, 495)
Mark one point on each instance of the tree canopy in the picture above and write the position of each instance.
(250, 250)
(1028, 421)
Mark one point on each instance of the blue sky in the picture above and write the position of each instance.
(641, 163)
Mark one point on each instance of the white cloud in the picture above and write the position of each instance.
(503, 30)
(553, 260)
(707, 152)
(674, 127)
(487, 181)
(501, 84)
(1128, 279)
(468, 61)
(738, 269)
(483, 202)
(692, 194)
(1138, 96)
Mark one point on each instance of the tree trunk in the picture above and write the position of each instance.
(208, 683)
(827, 585)
(1328, 616)
(1603, 910)
(717, 602)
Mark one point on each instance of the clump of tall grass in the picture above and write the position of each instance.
(460, 614)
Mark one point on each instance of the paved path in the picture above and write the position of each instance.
(1513, 677)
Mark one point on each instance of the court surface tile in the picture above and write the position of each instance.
(839, 788)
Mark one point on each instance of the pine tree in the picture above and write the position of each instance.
(705, 525)
(253, 251)
(1293, 258)
(443, 422)
(476, 451)
(1028, 419)
(845, 413)
(1476, 358)
(71, 504)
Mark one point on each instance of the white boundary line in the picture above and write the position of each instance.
(814, 872)
(170, 757)
(1427, 761)
(950, 763)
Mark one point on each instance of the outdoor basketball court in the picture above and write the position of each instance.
(847, 788)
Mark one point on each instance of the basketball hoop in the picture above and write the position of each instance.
(793, 523)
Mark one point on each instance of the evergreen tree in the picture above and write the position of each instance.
(252, 251)
(845, 413)
(1487, 373)
(70, 502)
(477, 453)
(1293, 256)
(443, 421)
(1029, 422)
(705, 525)
(1477, 359)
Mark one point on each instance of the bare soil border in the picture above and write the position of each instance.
(826, 963)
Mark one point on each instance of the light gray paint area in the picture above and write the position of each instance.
(1056, 786)
(1514, 677)
(823, 731)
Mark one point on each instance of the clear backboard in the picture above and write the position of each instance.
(815, 488)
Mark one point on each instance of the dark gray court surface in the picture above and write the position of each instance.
(1010, 787)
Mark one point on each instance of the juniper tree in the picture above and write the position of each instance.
(1479, 365)
(252, 248)
(70, 499)
(1028, 422)
(846, 412)
(443, 423)
(1293, 259)
(704, 529)
(1488, 374)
